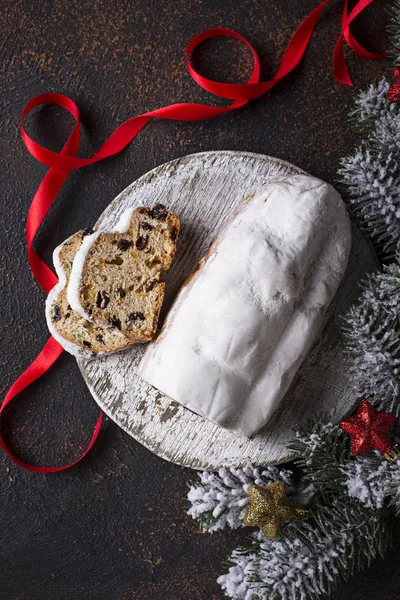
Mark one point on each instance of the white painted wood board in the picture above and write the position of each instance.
(204, 189)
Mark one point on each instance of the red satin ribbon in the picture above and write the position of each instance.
(338, 63)
(64, 162)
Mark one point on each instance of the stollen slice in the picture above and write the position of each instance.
(77, 335)
(116, 278)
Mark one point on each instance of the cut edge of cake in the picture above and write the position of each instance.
(117, 276)
(85, 345)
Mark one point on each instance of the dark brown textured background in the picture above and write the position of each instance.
(114, 527)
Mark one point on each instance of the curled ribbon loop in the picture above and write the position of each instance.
(42, 363)
(340, 70)
(60, 164)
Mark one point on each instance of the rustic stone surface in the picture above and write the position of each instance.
(114, 527)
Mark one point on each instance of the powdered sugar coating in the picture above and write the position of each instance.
(74, 283)
(68, 345)
(124, 222)
(242, 326)
(51, 299)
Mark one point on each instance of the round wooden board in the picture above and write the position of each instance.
(204, 189)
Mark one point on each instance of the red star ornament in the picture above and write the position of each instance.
(369, 429)
(394, 92)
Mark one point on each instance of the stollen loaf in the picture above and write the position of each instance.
(244, 321)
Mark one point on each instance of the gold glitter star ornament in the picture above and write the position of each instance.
(268, 509)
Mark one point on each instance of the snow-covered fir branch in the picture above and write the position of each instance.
(328, 464)
(221, 498)
(370, 177)
(370, 183)
(371, 105)
(394, 29)
(394, 487)
(316, 439)
(310, 559)
(372, 330)
(370, 479)
(374, 481)
(349, 524)
(321, 449)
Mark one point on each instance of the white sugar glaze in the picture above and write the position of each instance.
(51, 299)
(74, 284)
(75, 277)
(68, 345)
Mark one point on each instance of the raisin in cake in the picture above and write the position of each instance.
(244, 322)
(76, 334)
(116, 277)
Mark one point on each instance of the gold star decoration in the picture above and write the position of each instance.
(268, 509)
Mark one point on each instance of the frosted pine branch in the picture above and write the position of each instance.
(314, 438)
(371, 182)
(374, 481)
(308, 560)
(394, 28)
(394, 486)
(221, 498)
(370, 177)
(372, 330)
(371, 104)
(321, 449)
(369, 479)
(378, 118)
